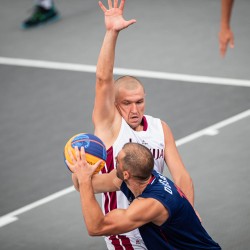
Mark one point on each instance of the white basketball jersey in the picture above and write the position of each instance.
(152, 137)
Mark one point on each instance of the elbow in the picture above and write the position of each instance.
(92, 233)
(103, 77)
(94, 228)
(188, 182)
(95, 232)
(98, 229)
(184, 179)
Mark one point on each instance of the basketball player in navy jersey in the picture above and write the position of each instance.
(118, 118)
(165, 218)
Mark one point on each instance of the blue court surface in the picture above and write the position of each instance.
(46, 96)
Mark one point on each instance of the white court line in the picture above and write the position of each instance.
(123, 71)
(212, 130)
(11, 217)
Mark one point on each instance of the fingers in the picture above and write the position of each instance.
(77, 153)
(80, 157)
(77, 159)
(71, 165)
(96, 165)
(115, 3)
(83, 157)
(232, 42)
(110, 4)
(222, 43)
(102, 6)
(122, 3)
(132, 21)
(71, 156)
(223, 49)
(226, 38)
(80, 154)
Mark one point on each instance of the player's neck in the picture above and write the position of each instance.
(138, 128)
(138, 186)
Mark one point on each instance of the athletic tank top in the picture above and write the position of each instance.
(152, 137)
(183, 229)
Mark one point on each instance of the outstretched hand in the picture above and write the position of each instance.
(114, 16)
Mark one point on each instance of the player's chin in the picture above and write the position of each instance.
(134, 123)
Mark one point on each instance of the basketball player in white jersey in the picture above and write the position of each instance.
(118, 118)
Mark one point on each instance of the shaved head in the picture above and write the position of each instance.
(127, 83)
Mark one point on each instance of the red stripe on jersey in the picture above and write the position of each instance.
(106, 202)
(144, 123)
(109, 166)
(110, 200)
(121, 242)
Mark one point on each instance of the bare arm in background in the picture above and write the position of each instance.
(226, 36)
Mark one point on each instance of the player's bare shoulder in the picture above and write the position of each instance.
(166, 129)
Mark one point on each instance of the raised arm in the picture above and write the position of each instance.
(226, 35)
(104, 108)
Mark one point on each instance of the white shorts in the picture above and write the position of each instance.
(123, 242)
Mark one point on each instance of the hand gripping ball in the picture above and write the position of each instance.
(95, 149)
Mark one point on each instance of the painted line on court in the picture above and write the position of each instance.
(123, 71)
(11, 217)
(211, 130)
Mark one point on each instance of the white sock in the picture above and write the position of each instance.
(47, 4)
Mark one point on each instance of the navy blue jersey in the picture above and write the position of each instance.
(183, 229)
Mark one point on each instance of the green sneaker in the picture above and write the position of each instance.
(40, 16)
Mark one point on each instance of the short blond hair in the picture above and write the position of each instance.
(138, 160)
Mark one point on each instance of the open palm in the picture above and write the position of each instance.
(114, 16)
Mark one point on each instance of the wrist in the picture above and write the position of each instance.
(84, 181)
(225, 26)
(112, 32)
(225, 22)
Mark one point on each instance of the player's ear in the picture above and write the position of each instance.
(126, 175)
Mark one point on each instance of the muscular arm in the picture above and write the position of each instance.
(104, 111)
(119, 220)
(175, 165)
(104, 108)
(226, 35)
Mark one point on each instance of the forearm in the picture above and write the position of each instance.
(226, 9)
(91, 210)
(105, 64)
(185, 183)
